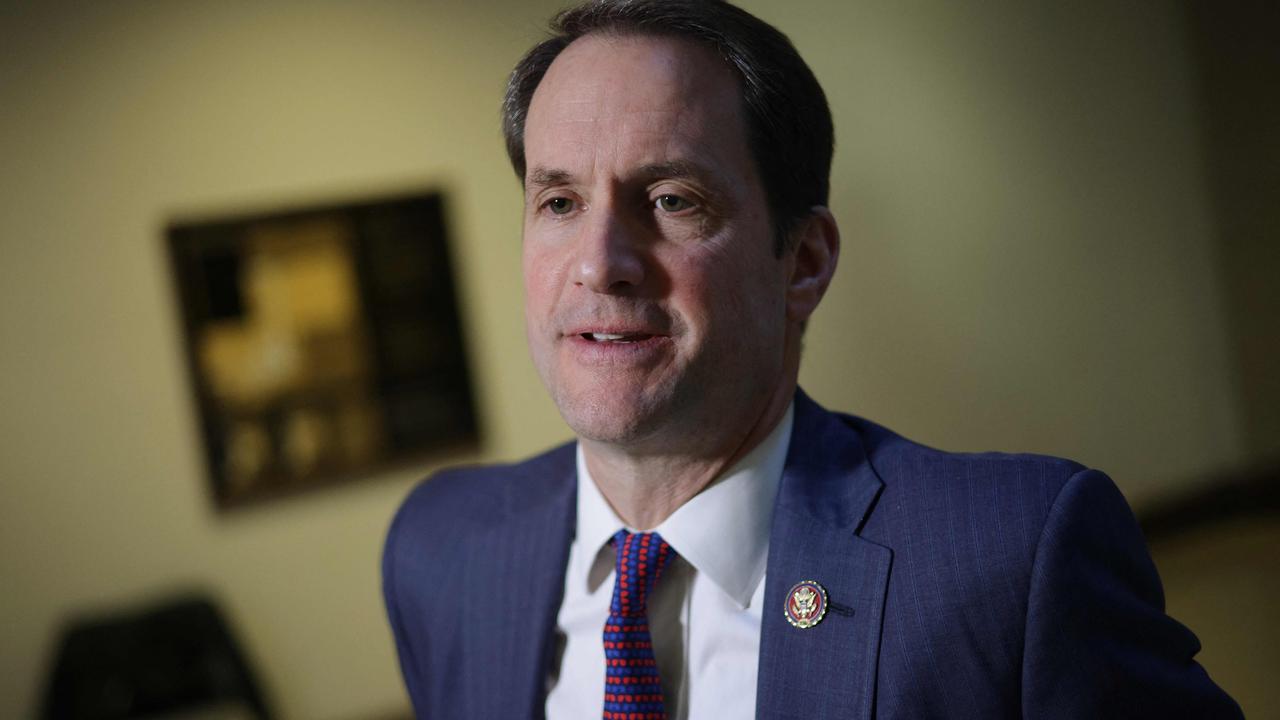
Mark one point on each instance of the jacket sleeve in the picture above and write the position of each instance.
(1098, 642)
(391, 593)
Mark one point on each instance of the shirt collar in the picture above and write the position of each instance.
(723, 531)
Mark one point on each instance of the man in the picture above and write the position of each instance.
(716, 544)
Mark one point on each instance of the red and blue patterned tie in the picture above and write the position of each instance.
(632, 688)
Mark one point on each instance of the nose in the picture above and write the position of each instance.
(609, 258)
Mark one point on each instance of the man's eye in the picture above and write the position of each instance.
(560, 205)
(672, 203)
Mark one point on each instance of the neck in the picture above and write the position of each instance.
(645, 489)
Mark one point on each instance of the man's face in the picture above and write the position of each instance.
(654, 306)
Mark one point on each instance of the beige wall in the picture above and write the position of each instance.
(1222, 580)
(1238, 59)
(1027, 266)
(1027, 258)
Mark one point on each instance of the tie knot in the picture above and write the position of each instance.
(641, 557)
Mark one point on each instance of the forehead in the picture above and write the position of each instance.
(636, 98)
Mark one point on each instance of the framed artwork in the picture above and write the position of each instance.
(324, 344)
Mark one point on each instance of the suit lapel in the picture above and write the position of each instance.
(528, 553)
(827, 670)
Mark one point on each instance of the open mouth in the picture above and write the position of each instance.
(619, 338)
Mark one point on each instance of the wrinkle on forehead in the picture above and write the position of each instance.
(650, 89)
(619, 110)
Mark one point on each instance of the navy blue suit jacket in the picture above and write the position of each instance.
(960, 586)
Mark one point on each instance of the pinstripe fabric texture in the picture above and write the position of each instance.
(961, 586)
(632, 686)
(473, 573)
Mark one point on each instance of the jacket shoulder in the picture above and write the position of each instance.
(454, 506)
(973, 523)
(480, 493)
(910, 468)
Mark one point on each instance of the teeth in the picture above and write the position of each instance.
(605, 337)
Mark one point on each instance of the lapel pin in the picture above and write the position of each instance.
(806, 604)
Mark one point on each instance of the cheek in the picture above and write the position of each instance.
(744, 300)
(538, 281)
(711, 293)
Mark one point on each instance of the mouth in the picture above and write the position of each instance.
(615, 338)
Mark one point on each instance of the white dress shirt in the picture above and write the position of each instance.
(705, 611)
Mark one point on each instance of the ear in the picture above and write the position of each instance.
(813, 262)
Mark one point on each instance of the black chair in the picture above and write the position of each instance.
(173, 660)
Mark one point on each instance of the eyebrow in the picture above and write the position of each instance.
(681, 169)
(541, 177)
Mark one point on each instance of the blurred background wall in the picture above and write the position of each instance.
(1056, 239)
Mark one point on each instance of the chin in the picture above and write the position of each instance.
(612, 419)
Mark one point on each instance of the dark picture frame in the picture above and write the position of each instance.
(323, 343)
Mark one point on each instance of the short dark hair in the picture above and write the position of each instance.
(787, 119)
